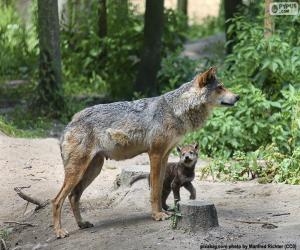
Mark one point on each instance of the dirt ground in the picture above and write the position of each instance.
(122, 216)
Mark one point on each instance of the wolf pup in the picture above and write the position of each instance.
(122, 130)
(178, 174)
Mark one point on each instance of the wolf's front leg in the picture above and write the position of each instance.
(156, 173)
(175, 185)
(189, 186)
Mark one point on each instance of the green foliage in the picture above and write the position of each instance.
(20, 126)
(260, 136)
(281, 167)
(252, 131)
(233, 129)
(175, 216)
(175, 31)
(184, 67)
(268, 164)
(109, 65)
(209, 26)
(4, 234)
(17, 46)
(271, 63)
(257, 138)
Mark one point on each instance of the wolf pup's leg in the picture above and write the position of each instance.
(165, 193)
(165, 182)
(91, 173)
(189, 186)
(156, 185)
(175, 185)
(74, 170)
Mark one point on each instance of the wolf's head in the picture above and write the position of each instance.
(215, 92)
(188, 154)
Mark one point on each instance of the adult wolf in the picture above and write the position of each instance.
(122, 130)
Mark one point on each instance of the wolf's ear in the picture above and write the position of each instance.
(178, 149)
(204, 78)
(196, 146)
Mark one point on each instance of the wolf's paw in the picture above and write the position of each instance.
(85, 224)
(160, 216)
(61, 233)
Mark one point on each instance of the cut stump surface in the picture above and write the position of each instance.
(197, 215)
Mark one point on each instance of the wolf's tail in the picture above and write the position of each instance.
(139, 177)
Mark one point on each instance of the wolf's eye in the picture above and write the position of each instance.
(191, 152)
(220, 87)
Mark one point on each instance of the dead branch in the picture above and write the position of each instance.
(22, 187)
(40, 204)
(281, 214)
(256, 222)
(20, 223)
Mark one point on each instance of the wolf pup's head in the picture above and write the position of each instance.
(188, 154)
(215, 92)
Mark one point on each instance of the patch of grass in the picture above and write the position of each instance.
(4, 233)
(23, 125)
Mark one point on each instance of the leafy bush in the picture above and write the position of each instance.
(268, 164)
(271, 63)
(25, 126)
(209, 26)
(18, 46)
(243, 128)
(177, 69)
(261, 134)
(109, 65)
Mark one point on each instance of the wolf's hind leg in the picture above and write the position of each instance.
(73, 174)
(93, 170)
(189, 186)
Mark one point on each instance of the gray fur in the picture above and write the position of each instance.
(122, 130)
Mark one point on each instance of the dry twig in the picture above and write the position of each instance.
(40, 204)
(264, 223)
(20, 223)
(3, 245)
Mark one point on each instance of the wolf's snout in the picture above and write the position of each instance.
(237, 98)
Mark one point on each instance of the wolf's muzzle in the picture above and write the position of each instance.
(231, 102)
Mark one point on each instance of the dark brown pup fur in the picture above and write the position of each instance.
(178, 174)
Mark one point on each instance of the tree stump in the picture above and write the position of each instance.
(197, 215)
(130, 171)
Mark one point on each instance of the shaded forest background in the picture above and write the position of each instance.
(101, 51)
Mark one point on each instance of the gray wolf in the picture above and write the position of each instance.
(178, 174)
(122, 130)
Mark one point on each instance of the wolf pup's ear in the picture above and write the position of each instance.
(196, 146)
(178, 149)
(203, 79)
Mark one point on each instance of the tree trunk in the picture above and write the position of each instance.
(231, 7)
(102, 19)
(146, 82)
(268, 23)
(182, 6)
(50, 82)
